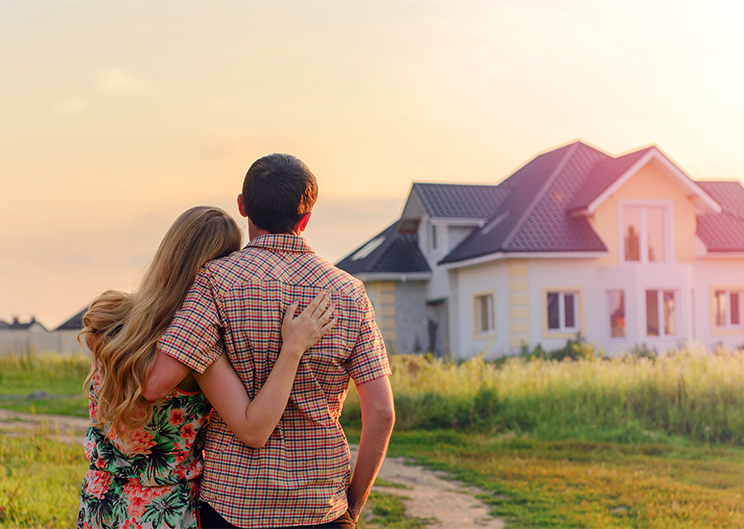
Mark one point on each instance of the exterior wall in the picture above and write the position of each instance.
(578, 275)
(411, 317)
(438, 287)
(39, 340)
(650, 183)
(716, 274)
(517, 272)
(468, 283)
(382, 296)
(634, 280)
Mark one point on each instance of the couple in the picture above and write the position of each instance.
(224, 335)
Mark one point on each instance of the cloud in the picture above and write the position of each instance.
(71, 106)
(115, 81)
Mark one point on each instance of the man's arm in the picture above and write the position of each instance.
(166, 373)
(378, 418)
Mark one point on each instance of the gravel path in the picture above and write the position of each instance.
(427, 494)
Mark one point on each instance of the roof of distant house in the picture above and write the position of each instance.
(389, 252)
(74, 323)
(16, 325)
(4, 325)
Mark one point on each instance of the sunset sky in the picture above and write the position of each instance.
(116, 116)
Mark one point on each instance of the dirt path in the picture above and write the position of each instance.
(430, 495)
(426, 494)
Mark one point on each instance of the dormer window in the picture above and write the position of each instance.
(644, 233)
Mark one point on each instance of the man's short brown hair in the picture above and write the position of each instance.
(278, 190)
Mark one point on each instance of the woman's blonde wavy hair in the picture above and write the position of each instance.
(122, 329)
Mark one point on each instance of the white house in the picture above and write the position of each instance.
(626, 250)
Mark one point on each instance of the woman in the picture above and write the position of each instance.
(146, 457)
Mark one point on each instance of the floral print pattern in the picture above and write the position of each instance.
(148, 481)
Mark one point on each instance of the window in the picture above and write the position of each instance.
(433, 236)
(563, 311)
(661, 313)
(644, 233)
(484, 321)
(729, 309)
(617, 313)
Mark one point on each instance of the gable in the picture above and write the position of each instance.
(650, 183)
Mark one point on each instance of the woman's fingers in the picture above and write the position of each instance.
(291, 309)
(316, 302)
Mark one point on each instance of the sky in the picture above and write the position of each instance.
(117, 116)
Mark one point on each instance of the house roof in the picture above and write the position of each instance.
(4, 325)
(532, 217)
(723, 232)
(18, 326)
(74, 323)
(389, 252)
(459, 200)
(543, 206)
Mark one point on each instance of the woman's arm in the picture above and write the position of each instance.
(253, 421)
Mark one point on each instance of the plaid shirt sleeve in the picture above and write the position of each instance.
(368, 360)
(193, 337)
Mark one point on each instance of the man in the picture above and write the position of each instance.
(301, 476)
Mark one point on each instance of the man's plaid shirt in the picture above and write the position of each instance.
(236, 306)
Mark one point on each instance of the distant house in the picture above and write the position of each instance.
(66, 333)
(625, 250)
(33, 336)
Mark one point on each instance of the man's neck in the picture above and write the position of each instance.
(254, 231)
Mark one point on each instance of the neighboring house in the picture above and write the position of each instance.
(66, 333)
(33, 336)
(17, 336)
(625, 250)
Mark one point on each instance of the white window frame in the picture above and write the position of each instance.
(660, 312)
(562, 312)
(728, 325)
(668, 231)
(625, 313)
(478, 315)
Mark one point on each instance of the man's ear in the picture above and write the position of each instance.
(241, 207)
(303, 222)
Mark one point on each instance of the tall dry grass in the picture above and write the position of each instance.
(689, 393)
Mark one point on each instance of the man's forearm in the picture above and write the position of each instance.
(378, 418)
(166, 373)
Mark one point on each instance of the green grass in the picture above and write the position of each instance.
(61, 376)
(572, 484)
(40, 482)
(688, 395)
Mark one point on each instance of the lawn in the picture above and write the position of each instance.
(577, 484)
(60, 376)
(634, 442)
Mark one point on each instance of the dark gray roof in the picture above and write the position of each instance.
(18, 326)
(396, 253)
(533, 217)
(461, 201)
(4, 325)
(723, 232)
(74, 323)
(532, 210)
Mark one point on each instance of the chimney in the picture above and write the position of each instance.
(15, 320)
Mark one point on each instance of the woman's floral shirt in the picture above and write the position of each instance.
(150, 480)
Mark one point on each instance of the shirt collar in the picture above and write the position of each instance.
(280, 242)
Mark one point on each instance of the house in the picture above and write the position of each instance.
(626, 250)
(20, 336)
(33, 336)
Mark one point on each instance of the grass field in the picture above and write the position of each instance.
(634, 442)
(61, 376)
